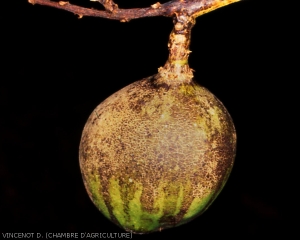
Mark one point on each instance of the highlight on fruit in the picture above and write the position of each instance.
(157, 153)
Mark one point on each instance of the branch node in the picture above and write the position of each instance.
(31, 1)
(124, 20)
(62, 3)
(109, 5)
(156, 5)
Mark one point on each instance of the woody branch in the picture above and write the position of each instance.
(191, 7)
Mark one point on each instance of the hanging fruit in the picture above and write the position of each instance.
(156, 154)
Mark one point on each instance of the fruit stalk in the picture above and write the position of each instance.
(176, 70)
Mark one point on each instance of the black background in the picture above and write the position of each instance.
(57, 68)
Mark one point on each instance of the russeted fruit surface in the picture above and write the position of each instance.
(155, 156)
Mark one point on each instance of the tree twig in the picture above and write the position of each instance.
(192, 7)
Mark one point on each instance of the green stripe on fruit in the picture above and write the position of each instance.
(96, 191)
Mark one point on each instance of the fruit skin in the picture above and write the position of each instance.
(155, 156)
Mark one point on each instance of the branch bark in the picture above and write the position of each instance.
(191, 7)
